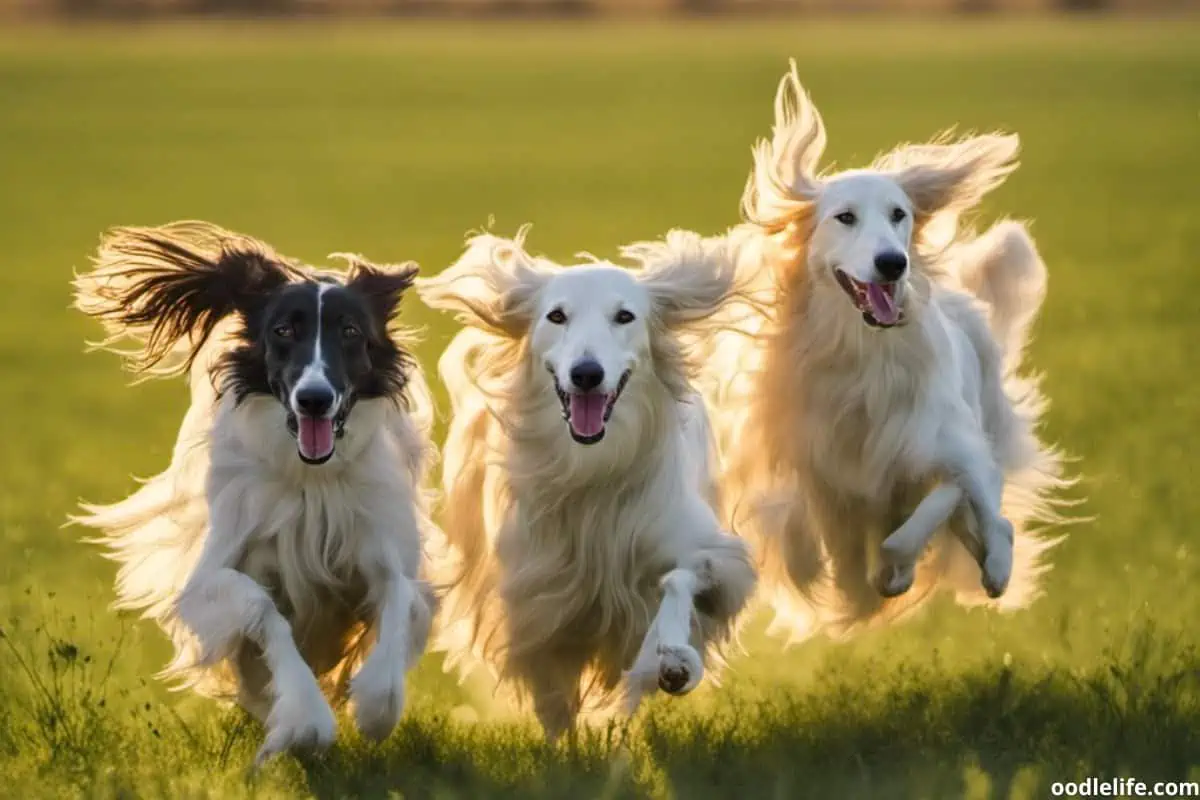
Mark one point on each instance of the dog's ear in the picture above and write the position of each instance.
(383, 285)
(162, 285)
(492, 286)
(784, 183)
(944, 180)
(688, 277)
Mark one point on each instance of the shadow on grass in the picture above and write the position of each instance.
(908, 731)
(884, 730)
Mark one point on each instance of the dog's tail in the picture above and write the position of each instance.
(1004, 270)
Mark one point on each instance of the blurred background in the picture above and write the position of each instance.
(392, 128)
(143, 9)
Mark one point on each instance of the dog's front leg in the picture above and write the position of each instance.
(667, 659)
(221, 606)
(404, 612)
(901, 550)
(969, 460)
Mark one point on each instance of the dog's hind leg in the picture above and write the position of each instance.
(553, 681)
(401, 631)
(222, 607)
(253, 681)
(901, 550)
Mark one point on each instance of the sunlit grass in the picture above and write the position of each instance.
(394, 141)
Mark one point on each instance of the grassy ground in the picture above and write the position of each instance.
(394, 141)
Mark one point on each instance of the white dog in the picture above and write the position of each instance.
(875, 415)
(285, 536)
(577, 476)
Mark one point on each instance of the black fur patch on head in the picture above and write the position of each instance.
(176, 282)
(382, 290)
(348, 323)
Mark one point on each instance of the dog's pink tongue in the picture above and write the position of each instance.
(315, 437)
(883, 305)
(587, 413)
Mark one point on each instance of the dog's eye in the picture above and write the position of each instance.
(898, 215)
(557, 317)
(284, 331)
(624, 317)
(350, 332)
(847, 218)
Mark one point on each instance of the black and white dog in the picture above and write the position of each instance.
(285, 538)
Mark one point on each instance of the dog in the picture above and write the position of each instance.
(282, 548)
(579, 480)
(878, 437)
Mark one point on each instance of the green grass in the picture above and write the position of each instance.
(394, 141)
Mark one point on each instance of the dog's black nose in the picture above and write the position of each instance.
(587, 375)
(891, 265)
(314, 401)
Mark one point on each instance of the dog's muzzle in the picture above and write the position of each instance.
(587, 413)
(876, 301)
(316, 437)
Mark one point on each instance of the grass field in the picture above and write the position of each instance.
(394, 141)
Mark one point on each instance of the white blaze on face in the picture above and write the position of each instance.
(315, 433)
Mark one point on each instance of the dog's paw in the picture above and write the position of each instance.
(298, 721)
(378, 697)
(997, 570)
(997, 565)
(679, 669)
(894, 580)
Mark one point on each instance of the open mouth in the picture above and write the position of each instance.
(587, 413)
(315, 436)
(876, 301)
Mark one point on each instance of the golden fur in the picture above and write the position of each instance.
(577, 566)
(833, 432)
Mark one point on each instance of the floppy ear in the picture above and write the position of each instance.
(784, 181)
(492, 286)
(688, 278)
(161, 285)
(944, 180)
(382, 285)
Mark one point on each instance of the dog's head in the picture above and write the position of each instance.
(592, 328)
(590, 332)
(316, 342)
(861, 230)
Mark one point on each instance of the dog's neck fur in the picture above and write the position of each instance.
(312, 517)
(854, 386)
(575, 506)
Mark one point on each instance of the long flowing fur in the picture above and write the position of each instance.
(818, 421)
(560, 552)
(325, 544)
